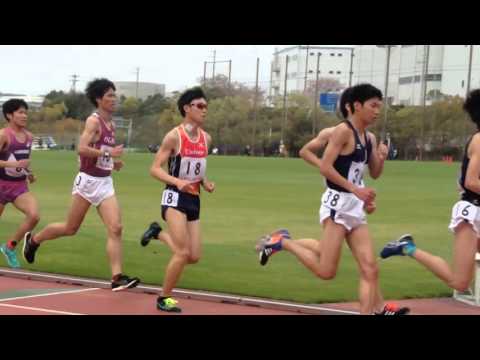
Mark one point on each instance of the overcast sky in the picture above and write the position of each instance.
(38, 69)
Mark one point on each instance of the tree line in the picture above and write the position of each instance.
(440, 129)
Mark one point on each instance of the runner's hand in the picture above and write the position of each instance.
(208, 186)
(117, 165)
(22, 164)
(383, 152)
(365, 194)
(117, 151)
(370, 207)
(184, 185)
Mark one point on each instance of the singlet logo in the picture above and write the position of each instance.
(109, 140)
(193, 152)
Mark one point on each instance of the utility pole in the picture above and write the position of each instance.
(229, 73)
(74, 82)
(204, 72)
(285, 99)
(351, 68)
(316, 100)
(255, 109)
(424, 96)
(214, 57)
(306, 69)
(387, 75)
(136, 87)
(469, 78)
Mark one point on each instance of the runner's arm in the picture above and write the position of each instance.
(472, 178)
(309, 151)
(207, 185)
(167, 148)
(91, 128)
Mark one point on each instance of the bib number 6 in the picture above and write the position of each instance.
(468, 211)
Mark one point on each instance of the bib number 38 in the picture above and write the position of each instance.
(332, 199)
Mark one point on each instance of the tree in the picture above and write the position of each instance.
(228, 122)
(220, 88)
(129, 107)
(168, 119)
(325, 84)
(77, 104)
(300, 115)
(153, 105)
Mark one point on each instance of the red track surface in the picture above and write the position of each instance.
(28, 293)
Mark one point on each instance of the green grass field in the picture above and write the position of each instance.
(253, 197)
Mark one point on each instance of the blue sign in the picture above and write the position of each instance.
(328, 101)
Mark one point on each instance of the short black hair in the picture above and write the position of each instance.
(188, 96)
(362, 93)
(12, 105)
(343, 102)
(472, 106)
(97, 88)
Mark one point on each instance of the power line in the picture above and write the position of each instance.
(214, 62)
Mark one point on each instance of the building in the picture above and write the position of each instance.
(145, 89)
(334, 62)
(34, 102)
(446, 73)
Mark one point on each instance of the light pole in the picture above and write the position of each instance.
(385, 94)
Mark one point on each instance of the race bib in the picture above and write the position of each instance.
(170, 198)
(192, 169)
(14, 172)
(355, 174)
(466, 210)
(105, 162)
(334, 199)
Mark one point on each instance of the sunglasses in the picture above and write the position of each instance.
(200, 106)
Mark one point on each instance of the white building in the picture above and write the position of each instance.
(145, 89)
(34, 102)
(447, 71)
(334, 62)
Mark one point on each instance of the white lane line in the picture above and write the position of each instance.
(238, 299)
(39, 309)
(48, 294)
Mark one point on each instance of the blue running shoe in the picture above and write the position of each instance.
(398, 247)
(10, 255)
(270, 244)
